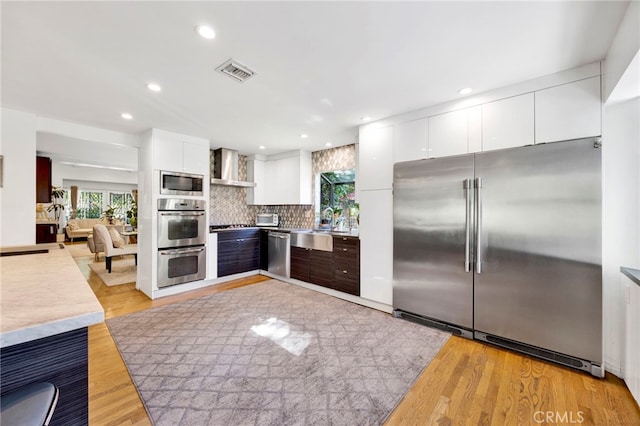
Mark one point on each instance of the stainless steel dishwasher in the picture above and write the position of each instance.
(279, 254)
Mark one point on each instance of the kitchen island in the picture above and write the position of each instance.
(46, 307)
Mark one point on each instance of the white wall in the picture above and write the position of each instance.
(65, 172)
(624, 47)
(620, 217)
(18, 194)
(620, 178)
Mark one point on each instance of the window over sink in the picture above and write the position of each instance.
(338, 208)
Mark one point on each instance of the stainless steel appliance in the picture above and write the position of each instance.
(225, 169)
(505, 247)
(279, 254)
(181, 223)
(181, 265)
(267, 219)
(175, 183)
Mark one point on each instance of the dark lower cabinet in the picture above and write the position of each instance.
(60, 359)
(264, 249)
(238, 251)
(346, 258)
(339, 270)
(312, 266)
(300, 263)
(321, 267)
(46, 232)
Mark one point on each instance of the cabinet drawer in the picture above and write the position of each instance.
(347, 282)
(349, 243)
(347, 264)
(238, 234)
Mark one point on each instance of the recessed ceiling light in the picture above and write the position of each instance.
(126, 116)
(465, 91)
(304, 136)
(262, 147)
(365, 118)
(328, 144)
(154, 87)
(206, 31)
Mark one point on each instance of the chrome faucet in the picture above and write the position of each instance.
(324, 214)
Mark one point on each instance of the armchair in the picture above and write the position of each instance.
(101, 232)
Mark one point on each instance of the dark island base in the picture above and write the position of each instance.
(60, 359)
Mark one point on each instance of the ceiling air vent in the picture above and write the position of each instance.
(236, 71)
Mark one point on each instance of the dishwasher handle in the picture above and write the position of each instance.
(279, 235)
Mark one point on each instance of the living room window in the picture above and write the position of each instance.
(91, 203)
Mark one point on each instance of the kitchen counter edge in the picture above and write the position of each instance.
(44, 295)
(632, 274)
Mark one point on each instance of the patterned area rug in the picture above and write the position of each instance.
(271, 354)
(123, 270)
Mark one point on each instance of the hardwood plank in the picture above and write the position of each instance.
(468, 382)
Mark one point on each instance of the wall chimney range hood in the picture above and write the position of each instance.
(225, 169)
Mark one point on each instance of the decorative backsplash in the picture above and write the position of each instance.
(228, 204)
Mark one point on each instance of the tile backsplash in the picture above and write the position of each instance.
(228, 204)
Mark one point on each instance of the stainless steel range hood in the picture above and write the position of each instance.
(225, 169)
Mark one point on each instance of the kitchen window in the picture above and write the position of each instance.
(337, 194)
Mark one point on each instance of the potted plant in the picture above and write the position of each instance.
(55, 207)
(132, 215)
(110, 215)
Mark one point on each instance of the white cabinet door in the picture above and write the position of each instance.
(167, 154)
(507, 123)
(376, 245)
(448, 134)
(475, 129)
(632, 338)
(569, 111)
(257, 172)
(375, 159)
(288, 180)
(411, 140)
(195, 158)
(212, 256)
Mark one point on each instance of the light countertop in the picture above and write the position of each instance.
(42, 295)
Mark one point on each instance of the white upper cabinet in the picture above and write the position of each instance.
(178, 153)
(375, 159)
(167, 154)
(474, 129)
(257, 172)
(508, 123)
(196, 158)
(281, 179)
(449, 134)
(568, 111)
(411, 140)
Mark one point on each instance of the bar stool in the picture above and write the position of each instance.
(29, 405)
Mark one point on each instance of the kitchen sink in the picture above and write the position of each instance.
(311, 239)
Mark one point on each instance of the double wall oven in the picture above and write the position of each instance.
(182, 234)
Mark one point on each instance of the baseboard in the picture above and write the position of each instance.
(340, 295)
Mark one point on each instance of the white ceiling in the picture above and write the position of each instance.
(321, 65)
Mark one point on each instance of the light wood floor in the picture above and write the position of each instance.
(467, 383)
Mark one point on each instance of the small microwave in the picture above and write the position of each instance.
(175, 183)
(267, 219)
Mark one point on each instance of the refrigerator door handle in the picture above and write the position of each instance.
(467, 242)
(478, 185)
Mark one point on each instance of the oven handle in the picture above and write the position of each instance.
(169, 252)
(182, 214)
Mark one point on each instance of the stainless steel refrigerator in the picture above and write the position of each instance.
(505, 247)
